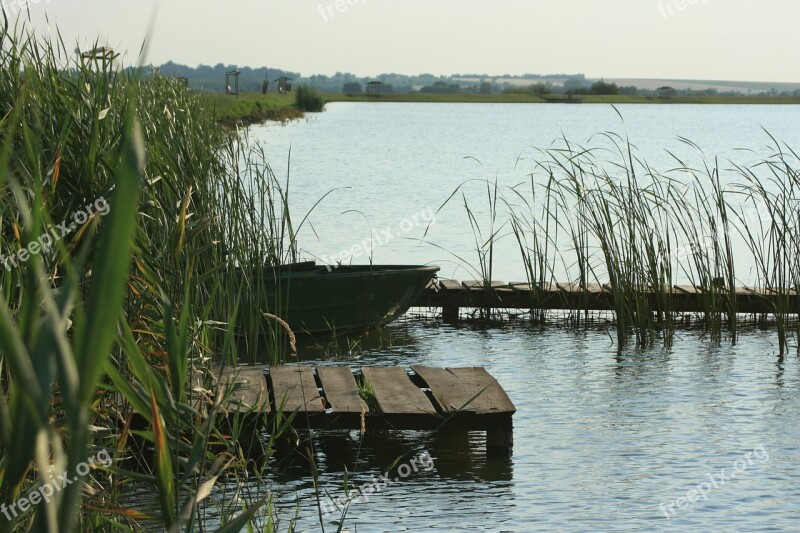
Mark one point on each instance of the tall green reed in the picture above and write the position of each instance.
(603, 216)
(95, 328)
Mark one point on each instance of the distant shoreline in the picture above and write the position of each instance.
(255, 108)
(586, 99)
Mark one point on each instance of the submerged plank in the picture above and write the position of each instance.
(340, 389)
(294, 389)
(395, 393)
(470, 390)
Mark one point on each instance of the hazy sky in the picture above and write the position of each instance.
(693, 39)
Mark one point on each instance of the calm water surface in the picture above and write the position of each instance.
(602, 438)
(390, 162)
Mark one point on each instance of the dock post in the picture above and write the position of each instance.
(500, 439)
(450, 314)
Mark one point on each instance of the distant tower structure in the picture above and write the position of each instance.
(284, 84)
(265, 87)
(101, 54)
(374, 88)
(232, 75)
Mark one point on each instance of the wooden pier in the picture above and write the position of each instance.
(328, 398)
(452, 295)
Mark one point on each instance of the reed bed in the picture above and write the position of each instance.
(134, 233)
(602, 215)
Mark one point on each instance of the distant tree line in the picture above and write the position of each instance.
(212, 79)
(602, 87)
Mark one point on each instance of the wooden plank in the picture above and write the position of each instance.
(450, 285)
(664, 289)
(521, 287)
(470, 390)
(570, 287)
(340, 389)
(783, 292)
(250, 383)
(688, 289)
(249, 389)
(478, 284)
(294, 389)
(594, 288)
(548, 286)
(756, 291)
(395, 393)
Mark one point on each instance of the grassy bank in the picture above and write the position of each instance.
(533, 99)
(249, 108)
(255, 108)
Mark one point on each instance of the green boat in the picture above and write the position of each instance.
(315, 298)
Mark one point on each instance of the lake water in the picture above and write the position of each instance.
(604, 440)
(391, 162)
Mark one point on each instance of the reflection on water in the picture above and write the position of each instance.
(602, 438)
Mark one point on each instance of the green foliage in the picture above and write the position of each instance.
(352, 87)
(441, 87)
(538, 89)
(603, 88)
(367, 393)
(309, 99)
(123, 310)
(248, 108)
(606, 218)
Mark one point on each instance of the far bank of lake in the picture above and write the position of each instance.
(254, 108)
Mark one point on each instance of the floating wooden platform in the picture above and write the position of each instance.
(327, 397)
(451, 295)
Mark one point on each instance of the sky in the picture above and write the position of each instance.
(754, 40)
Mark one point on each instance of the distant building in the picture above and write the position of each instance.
(284, 84)
(375, 88)
(232, 75)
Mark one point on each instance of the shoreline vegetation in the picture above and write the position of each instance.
(249, 108)
(256, 108)
(142, 234)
